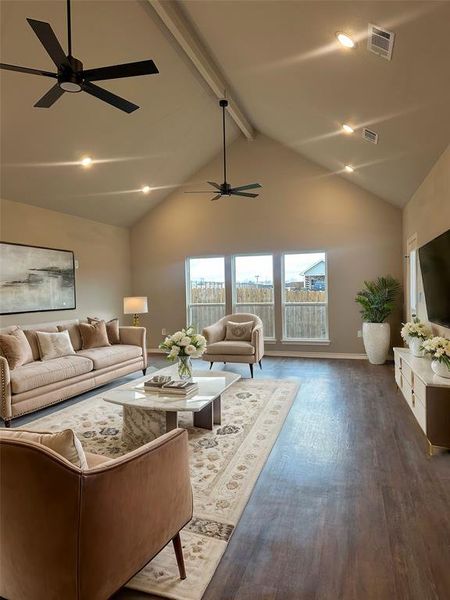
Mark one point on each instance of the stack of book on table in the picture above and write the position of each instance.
(168, 387)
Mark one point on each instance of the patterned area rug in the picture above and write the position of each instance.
(225, 464)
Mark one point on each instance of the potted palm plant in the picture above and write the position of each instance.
(377, 301)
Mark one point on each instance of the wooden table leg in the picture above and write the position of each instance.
(204, 418)
(171, 420)
(217, 411)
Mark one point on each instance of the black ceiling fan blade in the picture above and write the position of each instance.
(109, 97)
(50, 97)
(200, 192)
(50, 42)
(250, 186)
(143, 67)
(216, 197)
(214, 184)
(243, 194)
(27, 70)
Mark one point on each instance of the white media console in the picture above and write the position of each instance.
(427, 395)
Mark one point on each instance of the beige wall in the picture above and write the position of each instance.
(426, 216)
(102, 251)
(301, 207)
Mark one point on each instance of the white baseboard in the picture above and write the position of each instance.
(295, 354)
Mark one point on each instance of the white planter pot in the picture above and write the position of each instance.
(440, 369)
(414, 346)
(376, 338)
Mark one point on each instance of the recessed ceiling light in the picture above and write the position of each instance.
(146, 189)
(347, 128)
(86, 161)
(345, 40)
(349, 168)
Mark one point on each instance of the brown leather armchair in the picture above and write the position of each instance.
(82, 534)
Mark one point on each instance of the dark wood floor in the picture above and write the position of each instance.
(349, 506)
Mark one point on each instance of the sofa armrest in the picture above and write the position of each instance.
(258, 341)
(214, 333)
(136, 504)
(5, 389)
(135, 336)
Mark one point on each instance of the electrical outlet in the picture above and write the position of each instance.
(359, 333)
(163, 331)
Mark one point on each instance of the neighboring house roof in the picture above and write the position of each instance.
(317, 268)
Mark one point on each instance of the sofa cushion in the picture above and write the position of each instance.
(93, 335)
(36, 374)
(74, 334)
(54, 345)
(32, 338)
(65, 443)
(112, 329)
(95, 460)
(230, 348)
(15, 348)
(111, 355)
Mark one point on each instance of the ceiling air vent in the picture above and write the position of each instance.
(370, 136)
(380, 41)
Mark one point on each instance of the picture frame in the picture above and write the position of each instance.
(36, 279)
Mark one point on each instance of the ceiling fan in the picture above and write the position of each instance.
(71, 77)
(225, 189)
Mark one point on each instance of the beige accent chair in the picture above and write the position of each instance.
(218, 349)
(73, 534)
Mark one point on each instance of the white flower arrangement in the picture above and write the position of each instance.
(438, 348)
(415, 328)
(184, 343)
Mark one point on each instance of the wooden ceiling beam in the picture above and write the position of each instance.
(176, 23)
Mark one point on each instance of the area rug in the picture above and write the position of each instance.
(225, 464)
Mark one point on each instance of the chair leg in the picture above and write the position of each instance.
(260, 364)
(179, 555)
(251, 369)
(210, 365)
(144, 371)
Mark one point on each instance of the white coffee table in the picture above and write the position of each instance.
(146, 414)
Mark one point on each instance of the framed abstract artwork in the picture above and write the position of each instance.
(35, 279)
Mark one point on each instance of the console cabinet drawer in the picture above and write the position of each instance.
(407, 373)
(420, 390)
(419, 412)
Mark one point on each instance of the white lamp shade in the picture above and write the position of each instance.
(135, 305)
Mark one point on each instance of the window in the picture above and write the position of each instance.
(205, 291)
(305, 297)
(253, 289)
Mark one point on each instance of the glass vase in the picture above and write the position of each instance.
(184, 367)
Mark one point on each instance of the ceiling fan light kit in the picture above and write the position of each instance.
(225, 188)
(71, 77)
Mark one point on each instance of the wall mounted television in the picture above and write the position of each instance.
(434, 259)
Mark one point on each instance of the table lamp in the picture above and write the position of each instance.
(135, 305)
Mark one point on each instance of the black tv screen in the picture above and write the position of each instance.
(434, 260)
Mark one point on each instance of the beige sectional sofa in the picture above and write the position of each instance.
(40, 383)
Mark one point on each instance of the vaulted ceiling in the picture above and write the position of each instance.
(283, 65)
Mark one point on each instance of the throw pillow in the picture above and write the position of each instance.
(65, 443)
(239, 332)
(93, 335)
(74, 334)
(15, 348)
(54, 345)
(33, 341)
(112, 329)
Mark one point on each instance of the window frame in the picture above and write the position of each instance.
(234, 302)
(188, 289)
(309, 341)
